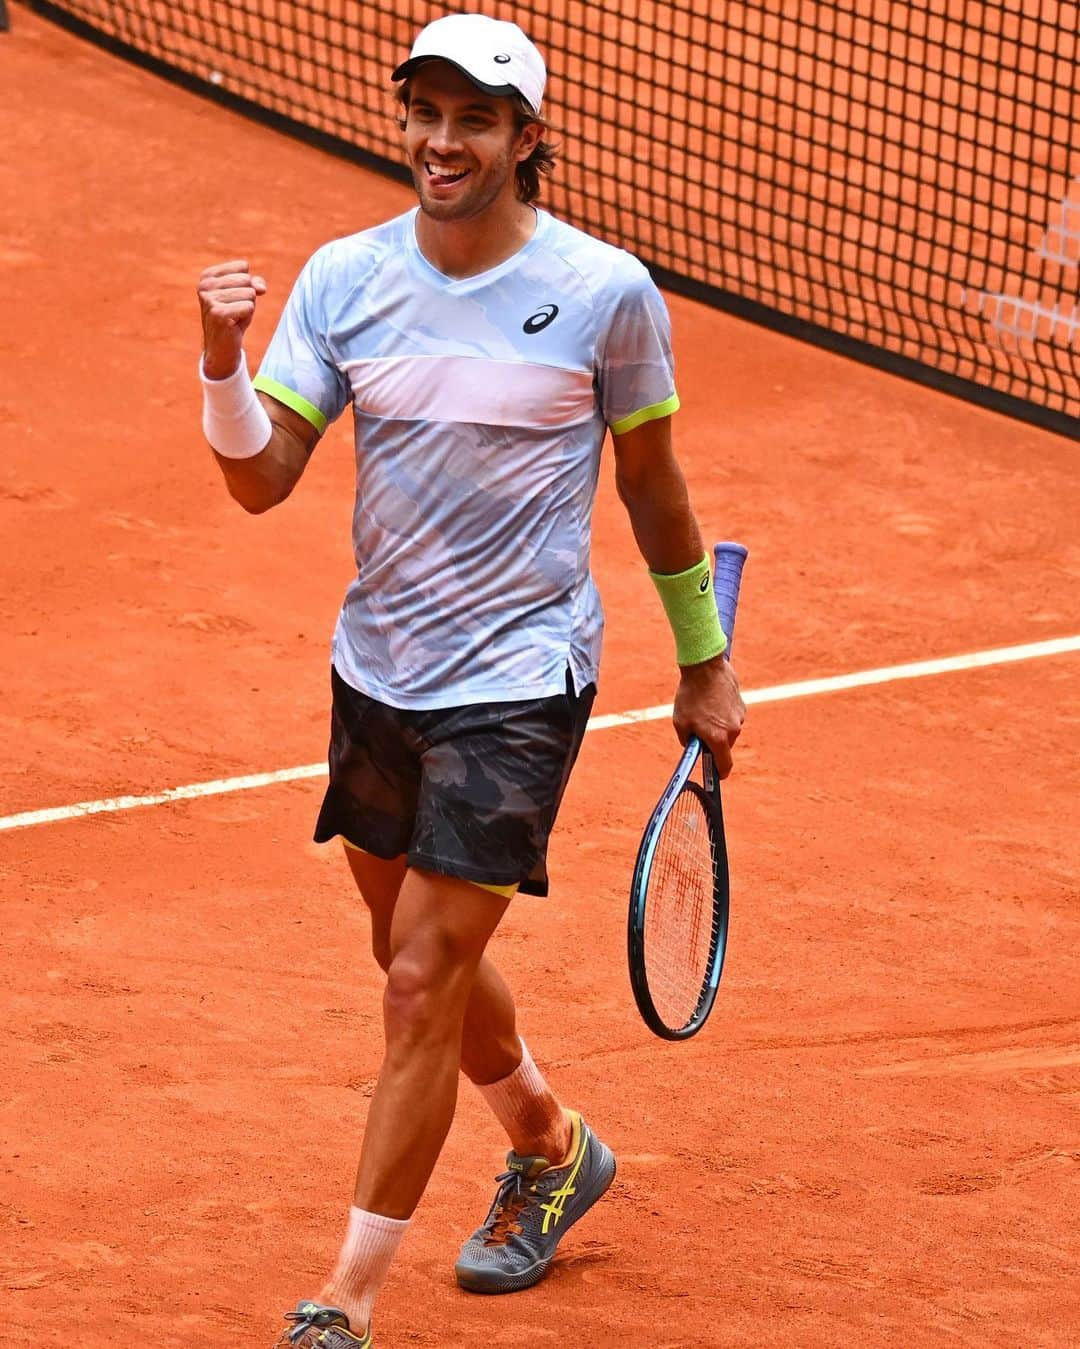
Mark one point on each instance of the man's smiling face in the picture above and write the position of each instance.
(462, 145)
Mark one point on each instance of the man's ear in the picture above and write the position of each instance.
(531, 136)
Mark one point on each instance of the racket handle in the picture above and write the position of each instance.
(727, 574)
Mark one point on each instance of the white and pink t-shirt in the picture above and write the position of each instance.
(480, 409)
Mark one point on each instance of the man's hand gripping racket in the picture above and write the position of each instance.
(677, 931)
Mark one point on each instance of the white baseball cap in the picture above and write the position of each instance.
(494, 54)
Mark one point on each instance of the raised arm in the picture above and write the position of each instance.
(261, 445)
(651, 486)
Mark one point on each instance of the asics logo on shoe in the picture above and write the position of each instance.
(553, 1209)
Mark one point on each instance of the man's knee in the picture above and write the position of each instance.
(441, 926)
(424, 998)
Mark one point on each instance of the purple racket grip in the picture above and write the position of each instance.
(728, 559)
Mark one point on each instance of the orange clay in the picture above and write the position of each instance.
(873, 1143)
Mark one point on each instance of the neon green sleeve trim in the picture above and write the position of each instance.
(690, 606)
(292, 400)
(649, 414)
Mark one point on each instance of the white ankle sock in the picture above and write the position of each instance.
(524, 1105)
(371, 1243)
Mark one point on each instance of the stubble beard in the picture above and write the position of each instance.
(475, 201)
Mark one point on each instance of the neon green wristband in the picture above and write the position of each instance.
(690, 606)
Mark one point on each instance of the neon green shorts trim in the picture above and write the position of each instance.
(505, 890)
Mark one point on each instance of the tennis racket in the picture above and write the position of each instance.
(678, 925)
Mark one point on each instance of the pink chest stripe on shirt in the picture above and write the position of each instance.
(475, 389)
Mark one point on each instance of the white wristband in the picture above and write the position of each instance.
(234, 421)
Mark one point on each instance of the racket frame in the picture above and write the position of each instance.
(709, 794)
(729, 560)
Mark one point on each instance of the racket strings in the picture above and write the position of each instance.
(680, 916)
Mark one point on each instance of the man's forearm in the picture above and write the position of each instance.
(260, 445)
(653, 489)
(663, 523)
(263, 479)
(260, 482)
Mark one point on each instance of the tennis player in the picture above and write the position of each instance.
(485, 349)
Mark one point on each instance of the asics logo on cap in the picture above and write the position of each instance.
(536, 323)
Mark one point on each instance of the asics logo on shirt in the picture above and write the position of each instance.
(536, 323)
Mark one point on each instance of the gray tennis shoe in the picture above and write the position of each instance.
(534, 1207)
(315, 1326)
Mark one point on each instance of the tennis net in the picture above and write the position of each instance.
(897, 181)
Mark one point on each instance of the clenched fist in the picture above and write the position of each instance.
(227, 295)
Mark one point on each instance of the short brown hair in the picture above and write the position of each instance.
(527, 173)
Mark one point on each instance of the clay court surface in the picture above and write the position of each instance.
(876, 1141)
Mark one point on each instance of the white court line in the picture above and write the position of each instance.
(806, 688)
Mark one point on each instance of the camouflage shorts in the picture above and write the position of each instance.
(462, 791)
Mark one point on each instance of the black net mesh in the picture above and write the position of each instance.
(899, 181)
